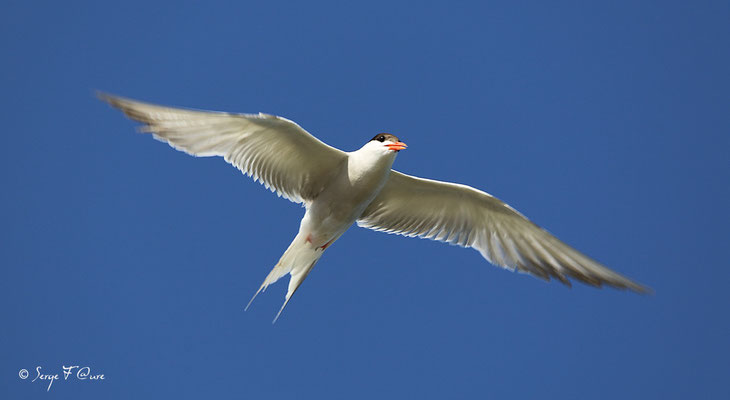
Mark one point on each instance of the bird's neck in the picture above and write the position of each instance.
(368, 168)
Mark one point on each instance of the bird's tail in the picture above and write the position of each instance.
(297, 260)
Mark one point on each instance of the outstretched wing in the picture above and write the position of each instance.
(273, 150)
(468, 217)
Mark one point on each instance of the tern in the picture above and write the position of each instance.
(338, 189)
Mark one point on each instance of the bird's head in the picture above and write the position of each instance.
(385, 143)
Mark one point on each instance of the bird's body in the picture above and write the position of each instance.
(358, 179)
(340, 188)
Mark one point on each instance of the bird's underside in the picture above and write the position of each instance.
(340, 188)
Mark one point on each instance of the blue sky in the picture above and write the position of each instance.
(605, 122)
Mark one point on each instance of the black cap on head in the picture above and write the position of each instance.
(382, 137)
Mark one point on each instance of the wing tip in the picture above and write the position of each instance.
(125, 105)
(105, 97)
(639, 289)
(621, 284)
(108, 98)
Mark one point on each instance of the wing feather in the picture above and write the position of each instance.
(464, 216)
(273, 150)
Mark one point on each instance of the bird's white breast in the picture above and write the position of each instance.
(359, 180)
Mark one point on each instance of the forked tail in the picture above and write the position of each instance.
(297, 260)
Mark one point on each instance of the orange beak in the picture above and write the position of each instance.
(397, 146)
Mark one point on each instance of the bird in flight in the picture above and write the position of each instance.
(339, 188)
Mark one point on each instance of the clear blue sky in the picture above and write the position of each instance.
(608, 123)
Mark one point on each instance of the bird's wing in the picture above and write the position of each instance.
(273, 150)
(462, 215)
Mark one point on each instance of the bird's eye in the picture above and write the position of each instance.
(381, 138)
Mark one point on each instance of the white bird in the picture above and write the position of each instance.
(340, 188)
